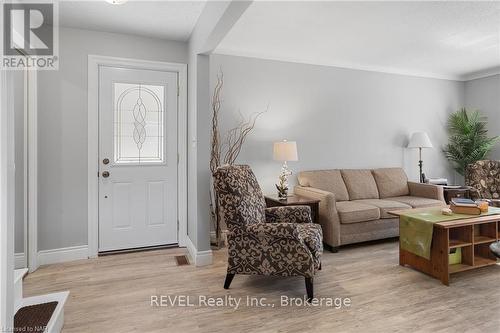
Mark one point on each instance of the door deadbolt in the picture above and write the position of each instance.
(105, 174)
(105, 161)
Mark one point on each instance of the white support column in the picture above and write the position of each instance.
(214, 23)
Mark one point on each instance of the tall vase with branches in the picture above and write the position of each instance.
(468, 139)
(224, 151)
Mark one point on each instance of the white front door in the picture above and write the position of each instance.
(137, 158)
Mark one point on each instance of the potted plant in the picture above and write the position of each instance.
(468, 139)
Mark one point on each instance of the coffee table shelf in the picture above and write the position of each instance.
(472, 235)
(475, 254)
(481, 261)
(457, 268)
(456, 243)
(483, 239)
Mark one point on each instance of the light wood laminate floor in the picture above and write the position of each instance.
(112, 294)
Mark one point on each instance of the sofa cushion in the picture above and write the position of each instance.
(326, 180)
(391, 182)
(360, 184)
(353, 212)
(366, 231)
(385, 206)
(418, 202)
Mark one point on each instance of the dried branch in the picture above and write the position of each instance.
(215, 152)
(232, 144)
(236, 137)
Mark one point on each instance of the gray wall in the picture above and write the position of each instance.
(217, 17)
(62, 128)
(484, 95)
(340, 118)
(18, 77)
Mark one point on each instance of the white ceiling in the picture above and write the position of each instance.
(451, 40)
(173, 20)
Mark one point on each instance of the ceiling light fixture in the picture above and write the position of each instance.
(116, 2)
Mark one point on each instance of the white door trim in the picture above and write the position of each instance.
(22, 258)
(7, 184)
(94, 61)
(32, 170)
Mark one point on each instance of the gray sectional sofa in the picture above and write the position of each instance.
(355, 204)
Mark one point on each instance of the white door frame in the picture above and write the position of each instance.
(94, 61)
(31, 170)
(7, 185)
(25, 172)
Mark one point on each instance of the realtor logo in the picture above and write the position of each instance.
(30, 34)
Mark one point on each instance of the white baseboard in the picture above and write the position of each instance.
(19, 261)
(198, 258)
(64, 254)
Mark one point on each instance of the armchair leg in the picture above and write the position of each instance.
(229, 279)
(309, 289)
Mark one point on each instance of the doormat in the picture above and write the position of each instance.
(34, 318)
(181, 260)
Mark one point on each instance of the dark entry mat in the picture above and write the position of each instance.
(34, 318)
(181, 260)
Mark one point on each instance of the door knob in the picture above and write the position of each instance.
(105, 174)
(105, 161)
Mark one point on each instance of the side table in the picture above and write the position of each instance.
(295, 200)
(450, 193)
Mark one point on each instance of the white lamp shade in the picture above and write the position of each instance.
(285, 151)
(419, 140)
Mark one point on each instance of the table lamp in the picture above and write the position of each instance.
(284, 151)
(420, 140)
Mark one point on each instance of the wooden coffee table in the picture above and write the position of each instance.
(473, 235)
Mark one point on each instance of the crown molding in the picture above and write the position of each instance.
(481, 74)
(377, 69)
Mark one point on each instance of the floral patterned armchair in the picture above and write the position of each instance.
(279, 241)
(483, 177)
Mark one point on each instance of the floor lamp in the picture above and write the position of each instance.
(420, 140)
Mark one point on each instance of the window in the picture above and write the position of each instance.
(139, 123)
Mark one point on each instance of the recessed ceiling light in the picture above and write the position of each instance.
(116, 2)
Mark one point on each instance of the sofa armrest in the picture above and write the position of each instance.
(426, 191)
(328, 216)
(288, 214)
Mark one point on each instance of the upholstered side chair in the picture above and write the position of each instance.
(483, 178)
(280, 241)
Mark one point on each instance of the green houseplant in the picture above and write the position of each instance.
(468, 139)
